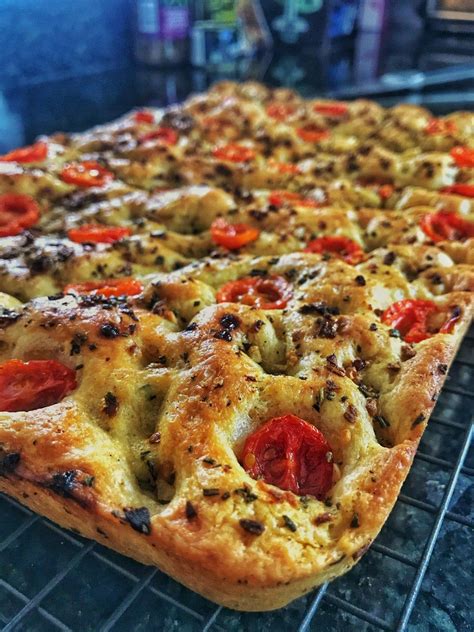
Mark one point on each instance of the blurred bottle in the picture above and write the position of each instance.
(225, 31)
(161, 32)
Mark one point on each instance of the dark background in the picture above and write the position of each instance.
(69, 64)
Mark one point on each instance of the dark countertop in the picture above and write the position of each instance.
(93, 95)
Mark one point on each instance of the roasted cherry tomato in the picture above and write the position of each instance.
(233, 152)
(34, 384)
(143, 116)
(232, 236)
(440, 126)
(411, 316)
(98, 234)
(385, 191)
(163, 135)
(331, 108)
(107, 287)
(342, 247)
(283, 167)
(33, 153)
(280, 111)
(86, 174)
(467, 190)
(279, 198)
(312, 133)
(292, 454)
(463, 156)
(17, 212)
(271, 292)
(446, 226)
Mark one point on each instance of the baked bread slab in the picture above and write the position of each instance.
(144, 455)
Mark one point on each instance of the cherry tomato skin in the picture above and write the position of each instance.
(331, 108)
(232, 236)
(467, 190)
(33, 153)
(86, 174)
(143, 116)
(446, 226)
(448, 326)
(98, 234)
(107, 287)
(17, 212)
(312, 134)
(233, 152)
(441, 127)
(163, 135)
(280, 111)
(291, 454)
(342, 247)
(410, 317)
(284, 167)
(271, 292)
(35, 384)
(385, 191)
(279, 198)
(463, 156)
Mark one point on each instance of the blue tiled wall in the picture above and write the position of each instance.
(43, 40)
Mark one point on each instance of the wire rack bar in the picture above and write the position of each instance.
(129, 599)
(446, 422)
(432, 509)
(466, 362)
(358, 612)
(49, 586)
(458, 390)
(15, 534)
(443, 463)
(428, 550)
(175, 602)
(313, 608)
(400, 557)
(52, 619)
(212, 619)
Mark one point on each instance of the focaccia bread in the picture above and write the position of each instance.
(224, 326)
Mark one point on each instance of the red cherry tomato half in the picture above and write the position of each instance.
(410, 317)
(233, 152)
(292, 454)
(163, 136)
(271, 292)
(143, 116)
(107, 287)
(342, 247)
(98, 234)
(312, 134)
(283, 167)
(440, 126)
(86, 174)
(463, 156)
(331, 108)
(17, 212)
(34, 384)
(446, 226)
(280, 111)
(232, 236)
(279, 198)
(467, 190)
(33, 153)
(385, 191)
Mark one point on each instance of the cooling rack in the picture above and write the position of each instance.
(414, 577)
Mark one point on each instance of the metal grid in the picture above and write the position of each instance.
(51, 579)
